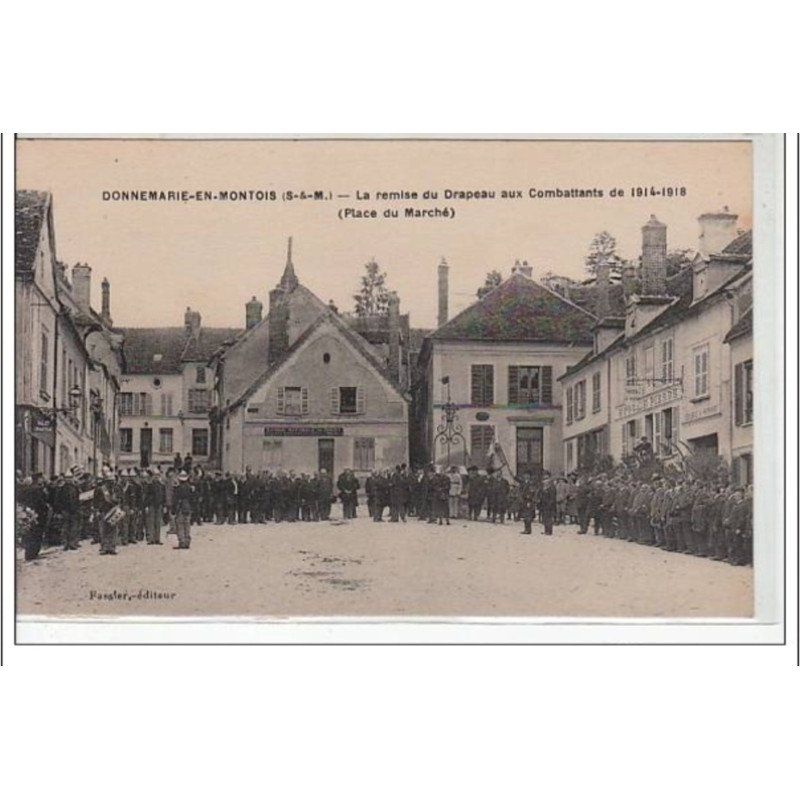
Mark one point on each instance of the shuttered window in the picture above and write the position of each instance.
(579, 410)
(482, 389)
(596, 399)
(348, 400)
(701, 371)
(530, 385)
(743, 392)
(292, 400)
(569, 405)
(480, 440)
(364, 453)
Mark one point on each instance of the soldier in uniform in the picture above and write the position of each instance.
(440, 485)
(324, 494)
(498, 493)
(348, 486)
(548, 504)
(583, 496)
(71, 509)
(700, 516)
(182, 510)
(230, 489)
(527, 501)
(104, 501)
(398, 491)
(476, 493)
(490, 494)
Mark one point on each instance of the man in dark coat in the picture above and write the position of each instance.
(182, 509)
(348, 486)
(324, 494)
(476, 492)
(527, 502)
(398, 493)
(548, 504)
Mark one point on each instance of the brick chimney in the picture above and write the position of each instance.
(654, 258)
(394, 336)
(602, 307)
(444, 269)
(106, 303)
(717, 231)
(628, 281)
(252, 313)
(526, 269)
(82, 286)
(191, 323)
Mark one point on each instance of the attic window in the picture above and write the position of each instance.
(326, 358)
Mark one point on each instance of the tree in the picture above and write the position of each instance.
(493, 279)
(373, 297)
(677, 261)
(603, 249)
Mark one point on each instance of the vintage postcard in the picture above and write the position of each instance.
(397, 379)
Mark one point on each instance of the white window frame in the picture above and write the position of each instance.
(668, 359)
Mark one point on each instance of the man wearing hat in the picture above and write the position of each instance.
(103, 503)
(182, 510)
(71, 508)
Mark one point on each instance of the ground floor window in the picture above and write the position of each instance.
(364, 453)
(272, 453)
(480, 440)
(126, 440)
(200, 442)
(165, 440)
(530, 450)
(743, 469)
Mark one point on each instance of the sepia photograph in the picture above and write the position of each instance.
(495, 379)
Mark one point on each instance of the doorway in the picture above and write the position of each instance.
(145, 446)
(530, 443)
(325, 453)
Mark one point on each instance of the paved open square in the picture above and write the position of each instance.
(361, 568)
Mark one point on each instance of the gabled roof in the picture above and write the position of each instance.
(174, 345)
(520, 310)
(742, 245)
(585, 296)
(351, 336)
(30, 211)
(743, 327)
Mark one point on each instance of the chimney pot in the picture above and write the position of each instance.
(106, 302)
(253, 310)
(82, 286)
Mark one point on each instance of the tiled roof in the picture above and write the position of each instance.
(29, 215)
(743, 327)
(174, 345)
(520, 310)
(742, 245)
(586, 297)
(358, 341)
(208, 342)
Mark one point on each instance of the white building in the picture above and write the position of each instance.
(68, 360)
(498, 363)
(166, 392)
(664, 371)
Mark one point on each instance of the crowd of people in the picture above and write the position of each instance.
(129, 506)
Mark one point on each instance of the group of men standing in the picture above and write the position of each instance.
(127, 506)
(680, 513)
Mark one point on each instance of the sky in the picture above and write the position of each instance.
(161, 257)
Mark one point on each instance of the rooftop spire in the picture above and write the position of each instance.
(289, 279)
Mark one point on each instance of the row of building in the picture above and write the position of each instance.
(544, 374)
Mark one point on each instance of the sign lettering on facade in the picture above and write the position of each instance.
(665, 396)
(303, 430)
(700, 413)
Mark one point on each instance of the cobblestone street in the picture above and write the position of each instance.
(360, 568)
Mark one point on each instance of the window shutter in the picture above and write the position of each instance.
(547, 386)
(657, 422)
(335, 400)
(477, 388)
(304, 400)
(738, 393)
(569, 405)
(513, 385)
(624, 438)
(281, 405)
(361, 400)
(488, 388)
